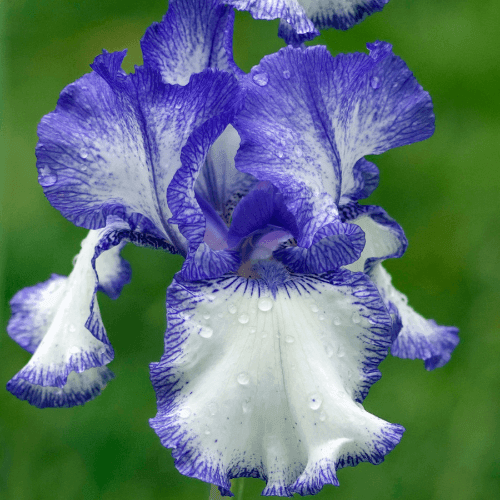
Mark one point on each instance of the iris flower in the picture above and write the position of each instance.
(282, 311)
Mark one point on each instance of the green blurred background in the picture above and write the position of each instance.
(444, 192)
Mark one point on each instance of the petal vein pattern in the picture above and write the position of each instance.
(194, 35)
(114, 143)
(309, 118)
(267, 381)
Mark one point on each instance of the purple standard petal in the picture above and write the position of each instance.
(266, 377)
(219, 182)
(194, 35)
(309, 118)
(186, 211)
(114, 143)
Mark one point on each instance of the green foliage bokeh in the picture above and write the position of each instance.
(444, 192)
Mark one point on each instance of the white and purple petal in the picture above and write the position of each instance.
(414, 336)
(203, 261)
(219, 182)
(114, 143)
(309, 118)
(193, 36)
(418, 338)
(301, 19)
(265, 378)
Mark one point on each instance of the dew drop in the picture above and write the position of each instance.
(265, 304)
(212, 408)
(298, 152)
(185, 413)
(329, 350)
(83, 153)
(314, 308)
(206, 332)
(246, 406)
(280, 154)
(253, 330)
(206, 316)
(207, 432)
(260, 79)
(315, 401)
(72, 328)
(322, 416)
(264, 335)
(232, 309)
(289, 339)
(321, 317)
(375, 82)
(336, 321)
(220, 315)
(286, 74)
(340, 351)
(244, 319)
(74, 350)
(47, 180)
(283, 142)
(178, 105)
(356, 318)
(243, 378)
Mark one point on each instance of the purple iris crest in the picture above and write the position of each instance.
(282, 311)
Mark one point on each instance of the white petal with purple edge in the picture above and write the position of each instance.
(266, 378)
(419, 338)
(304, 17)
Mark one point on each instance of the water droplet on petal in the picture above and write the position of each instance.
(298, 152)
(184, 412)
(243, 378)
(47, 180)
(232, 309)
(264, 335)
(206, 332)
(265, 304)
(375, 82)
(314, 308)
(220, 315)
(289, 339)
(212, 408)
(206, 316)
(260, 79)
(83, 153)
(178, 105)
(72, 328)
(356, 318)
(244, 319)
(336, 321)
(321, 317)
(329, 350)
(322, 416)
(74, 350)
(340, 351)
(246, 406)
(253, 330)
(315, 401)
(280, 154)
(286, 74)
(207, 432)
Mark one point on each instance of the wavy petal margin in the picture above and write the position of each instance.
(265, 378)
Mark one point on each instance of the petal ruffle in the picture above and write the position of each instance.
(114, 143)
(309, 118)
(265, 378)
(415, 337)
(67, 335)
(193, 36)
(419, 338)
(59, 322)
(300, 20)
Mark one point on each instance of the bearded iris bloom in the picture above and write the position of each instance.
(282, 311)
